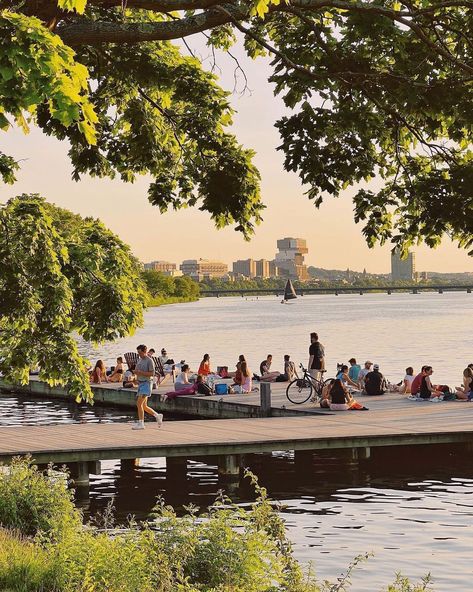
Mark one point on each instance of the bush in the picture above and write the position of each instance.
(227, 550)
(25, 566)
(32, 502)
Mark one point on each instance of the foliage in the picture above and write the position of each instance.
(34, 503)
(230, 549)
(61, 273)
(36, 68)
(163, 288)
(372, 90)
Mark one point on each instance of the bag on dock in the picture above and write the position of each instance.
(221, 389)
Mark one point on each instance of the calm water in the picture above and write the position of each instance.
(395, 331)
(412, 508)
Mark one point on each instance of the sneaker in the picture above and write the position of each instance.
(435, 400)
(159, 419)
(139, 425)
(412, 398)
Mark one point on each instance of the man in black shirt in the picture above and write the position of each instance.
(375, 383)
(316, 356)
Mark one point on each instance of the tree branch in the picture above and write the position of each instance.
(85, 32)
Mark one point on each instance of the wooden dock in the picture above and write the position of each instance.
(216, 407)
(388, 423)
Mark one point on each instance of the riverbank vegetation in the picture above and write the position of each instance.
(163, 289)
(44, 547)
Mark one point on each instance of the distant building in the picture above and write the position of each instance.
(264, 269)
(245, 267)
(289, 259)
(403, 269)
(203, 269)
(163, 267)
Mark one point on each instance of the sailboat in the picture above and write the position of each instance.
(289, 292)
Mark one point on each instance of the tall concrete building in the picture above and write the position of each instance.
(245, 267)
(403, 269)
(289, 259)
(203, 268)
(163, 266)
(263, 269)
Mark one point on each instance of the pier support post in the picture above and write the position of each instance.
(80, 477)
(176, 468)
(362, 453)
(229, 467)
(265, 399)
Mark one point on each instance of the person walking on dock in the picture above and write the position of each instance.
(144, 371)
(316, 356)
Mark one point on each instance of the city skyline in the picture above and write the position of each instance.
(330, 232)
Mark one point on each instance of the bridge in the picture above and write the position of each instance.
(301, 291)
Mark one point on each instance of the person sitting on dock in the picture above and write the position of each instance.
(343, 375)
(375, 383)
(466, 390)
(129, 378)
(204, 368)
(354, 370)
(144, 371)
(340, 398)
(362, 374)
(117, 373)
(202, 388)
(99, 373)
(247, 381)
(290, 371)
(182, 379)
(265, 370)
(427, 389)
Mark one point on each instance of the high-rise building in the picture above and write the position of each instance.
(203, 268)
(245, 267)
(402, 269)
(289, 259)
(162, 266)
(263, 268)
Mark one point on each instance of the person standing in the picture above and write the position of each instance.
(316, 356)
(144, 371)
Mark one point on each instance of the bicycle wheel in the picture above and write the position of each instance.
(299, 390)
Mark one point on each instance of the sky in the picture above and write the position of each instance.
(333, 239)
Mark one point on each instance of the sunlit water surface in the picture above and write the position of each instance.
(412, 509)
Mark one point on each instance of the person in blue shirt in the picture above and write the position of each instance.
(354, 370)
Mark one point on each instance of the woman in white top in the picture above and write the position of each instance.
(247, 382)
(182, 379)
(408, 379)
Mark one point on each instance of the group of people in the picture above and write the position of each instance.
(336, 395)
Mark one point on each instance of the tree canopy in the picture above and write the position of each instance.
(61, 274)
(379, 88)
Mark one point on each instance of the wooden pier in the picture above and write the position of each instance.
(391, 421)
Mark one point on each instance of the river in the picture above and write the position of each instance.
(412, 508)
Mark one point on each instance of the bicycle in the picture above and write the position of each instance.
(302, 389)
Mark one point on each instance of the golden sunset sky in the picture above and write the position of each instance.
(333, 239)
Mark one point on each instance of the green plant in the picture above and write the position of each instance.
(36, 503)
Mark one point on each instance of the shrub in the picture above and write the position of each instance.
(25, 566)
(32, 502)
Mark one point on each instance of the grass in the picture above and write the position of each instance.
(45, 547)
